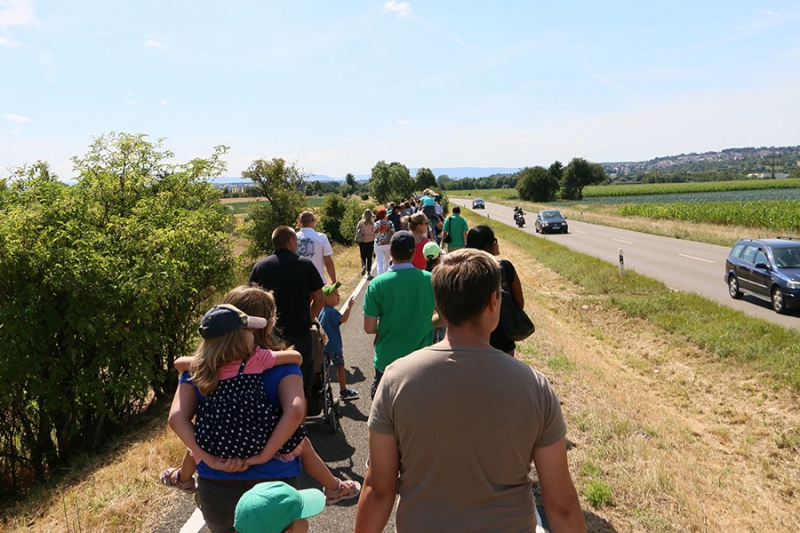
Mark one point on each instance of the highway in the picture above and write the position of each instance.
(682, 265)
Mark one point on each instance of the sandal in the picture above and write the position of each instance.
(171, 478)
(347, 489)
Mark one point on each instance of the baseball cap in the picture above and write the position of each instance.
(431, 250)
(328, 289)
(271, 507)
(226, 318)
(402, 241)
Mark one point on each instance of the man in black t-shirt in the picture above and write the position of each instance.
(294, 281)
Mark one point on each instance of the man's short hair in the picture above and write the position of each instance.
(456, 209)
(306, 218)
(463, 283)
(282, 236)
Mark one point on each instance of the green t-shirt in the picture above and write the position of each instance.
(402, 301)
(455, 226)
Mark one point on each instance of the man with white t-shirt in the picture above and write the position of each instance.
(315, 246)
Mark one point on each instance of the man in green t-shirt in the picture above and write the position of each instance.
(399, 307)
(456, 227)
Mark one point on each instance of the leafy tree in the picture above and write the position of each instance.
(578, 174)
(444, 181)
(331, 213)
(392, 181)
(425, 179)
(352, 214)
(102, 286)
(282, 185)
(537, 184)
(351, 181)
(346, 190)
(317, 186)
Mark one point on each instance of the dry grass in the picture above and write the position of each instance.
(684, 441)
(664, 437)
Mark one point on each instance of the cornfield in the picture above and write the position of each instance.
(781, 215)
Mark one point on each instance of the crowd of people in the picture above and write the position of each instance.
(454, 422)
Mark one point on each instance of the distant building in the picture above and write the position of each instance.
(768, 175)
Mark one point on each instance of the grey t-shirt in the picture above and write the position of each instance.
(467, 423)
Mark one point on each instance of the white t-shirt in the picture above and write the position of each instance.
(315, 246)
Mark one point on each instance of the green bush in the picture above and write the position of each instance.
(102, 286)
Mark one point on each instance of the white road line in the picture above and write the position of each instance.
(697, 258)
(623, 242)
(195, 523)
(578, 231)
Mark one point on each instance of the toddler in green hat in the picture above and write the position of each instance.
(275, 507)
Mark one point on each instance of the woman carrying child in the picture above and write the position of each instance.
(228, 354)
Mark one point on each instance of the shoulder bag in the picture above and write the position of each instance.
(359, 235)
(514, 322)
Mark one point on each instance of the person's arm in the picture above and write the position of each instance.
(184, 406)
(317, 303)
(516, 292)
(293, 403)
(561, 504)
(288, 357)
(330, 267)
(370, 325)
(183, 364)
(380, 485)
(348, 306)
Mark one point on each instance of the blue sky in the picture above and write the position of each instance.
(338, 86)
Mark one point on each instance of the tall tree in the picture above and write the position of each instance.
(425, 179)
(578, 174)
(351, 181)
(537, 184)
(282, 185)
(444, 181)
(392, 181)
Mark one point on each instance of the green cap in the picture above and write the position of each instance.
(272, 507)
(431, 250)
(328, 289)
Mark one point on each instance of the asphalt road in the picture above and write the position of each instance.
(682, 265)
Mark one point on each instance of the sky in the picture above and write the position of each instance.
(335, 87)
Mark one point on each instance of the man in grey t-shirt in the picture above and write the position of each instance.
(460, 423)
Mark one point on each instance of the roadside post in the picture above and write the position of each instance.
(621, 263)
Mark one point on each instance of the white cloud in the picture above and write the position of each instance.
(17, 118)
(403, 9)
(6, 42)
(16, 13)
(152, 43)
(131, 102)
(164, 102)
(403, 122)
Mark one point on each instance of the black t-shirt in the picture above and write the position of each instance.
(292, 279)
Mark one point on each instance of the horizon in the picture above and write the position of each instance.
(337, 88)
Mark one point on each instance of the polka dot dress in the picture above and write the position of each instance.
(236, 420)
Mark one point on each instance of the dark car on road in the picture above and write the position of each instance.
(551, 221)
(766, 268)
(477, 203)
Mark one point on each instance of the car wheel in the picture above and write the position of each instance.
(564, 230)
(536, 229)
(777, 300)
(733, 287)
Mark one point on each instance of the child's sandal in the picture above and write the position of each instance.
(347, 489)
(171, 477)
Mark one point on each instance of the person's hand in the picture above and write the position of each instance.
(228, 465)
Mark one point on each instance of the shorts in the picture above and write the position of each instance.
(336, 358)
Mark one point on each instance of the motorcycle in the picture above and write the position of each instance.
(519, 217)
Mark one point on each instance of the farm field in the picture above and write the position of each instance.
(779, 215)
(690, 187)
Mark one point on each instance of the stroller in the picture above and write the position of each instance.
(322, 409)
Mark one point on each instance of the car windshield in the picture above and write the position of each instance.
(787, 257)
(551, 214)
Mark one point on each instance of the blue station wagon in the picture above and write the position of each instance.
(766, 268)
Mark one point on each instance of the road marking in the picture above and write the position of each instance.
(578, 231)
(697, 258)
(623, 242)
(195, 523)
